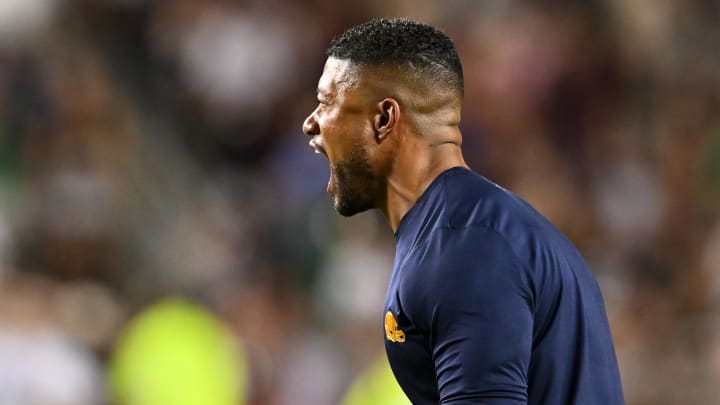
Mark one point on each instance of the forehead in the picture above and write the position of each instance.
(338, 75)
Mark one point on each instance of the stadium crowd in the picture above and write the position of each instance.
(154, 149)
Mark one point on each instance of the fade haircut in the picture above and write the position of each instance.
(418, 49)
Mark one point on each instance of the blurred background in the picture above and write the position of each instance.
(153, 149)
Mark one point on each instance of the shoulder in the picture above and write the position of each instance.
(476, 205)
(451, 249)
(458, 197)
(458, 268)
(471, 199)
(453, 260)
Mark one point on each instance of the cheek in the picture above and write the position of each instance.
(342, 136)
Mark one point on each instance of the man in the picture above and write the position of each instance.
(488, 303)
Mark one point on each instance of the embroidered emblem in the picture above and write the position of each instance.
(392, 333)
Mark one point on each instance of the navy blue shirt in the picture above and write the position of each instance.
(489, 303)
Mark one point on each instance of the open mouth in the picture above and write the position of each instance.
(317, 146)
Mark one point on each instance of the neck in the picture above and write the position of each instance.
(415, 168)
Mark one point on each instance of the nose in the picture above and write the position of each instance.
(310, 125)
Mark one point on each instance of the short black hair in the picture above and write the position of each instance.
(415, 45)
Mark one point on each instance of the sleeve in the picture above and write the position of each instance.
(478, 318)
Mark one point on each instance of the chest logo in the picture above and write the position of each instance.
(392, 333)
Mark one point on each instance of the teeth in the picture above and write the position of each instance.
(314, 146)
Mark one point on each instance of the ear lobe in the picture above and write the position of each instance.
(386, 118)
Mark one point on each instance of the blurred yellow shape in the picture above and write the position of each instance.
(376, 386)
(177, 353)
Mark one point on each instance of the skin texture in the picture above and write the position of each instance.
(387, 133)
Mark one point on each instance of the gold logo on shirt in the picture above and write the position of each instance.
(392, 333)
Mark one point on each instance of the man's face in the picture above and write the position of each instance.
(341, 129)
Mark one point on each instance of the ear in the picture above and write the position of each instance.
(386, 118)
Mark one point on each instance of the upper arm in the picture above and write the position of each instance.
(478, 318)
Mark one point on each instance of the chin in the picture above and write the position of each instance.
(350, 208)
